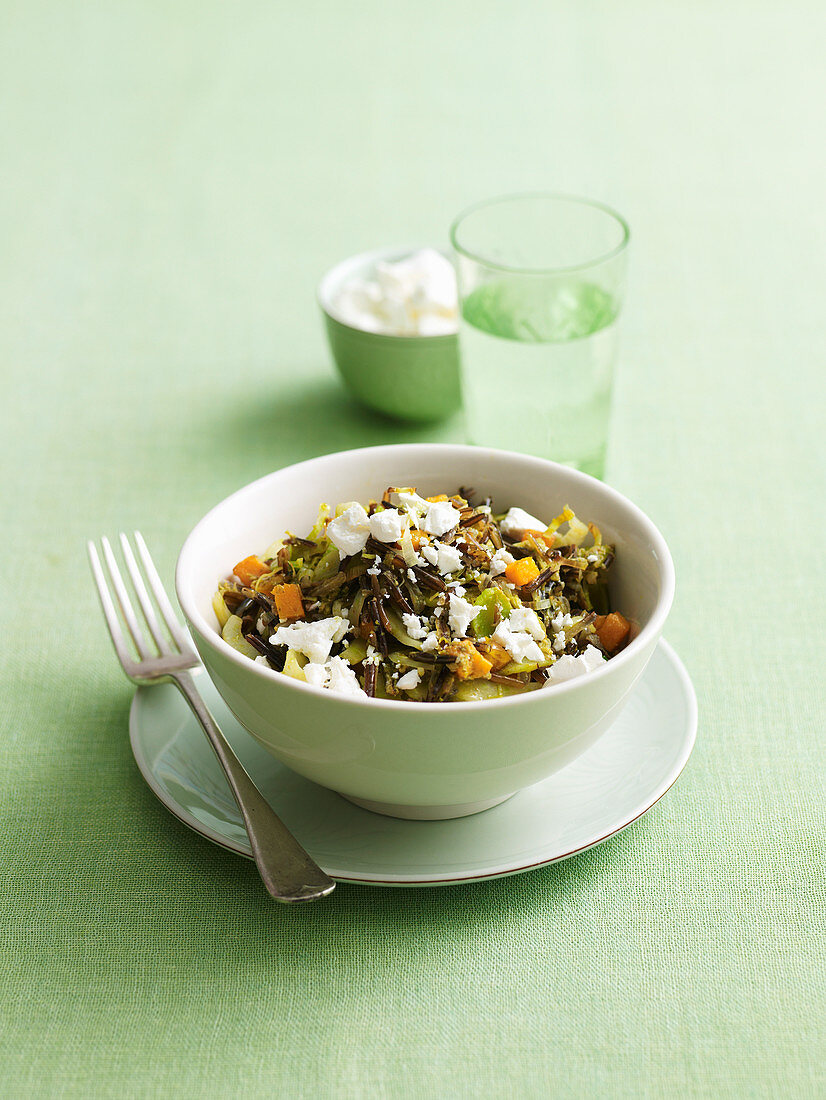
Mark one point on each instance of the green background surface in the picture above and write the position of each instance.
(176, 178)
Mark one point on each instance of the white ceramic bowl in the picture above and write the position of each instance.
(426, 760)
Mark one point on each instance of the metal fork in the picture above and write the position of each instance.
(288, 872)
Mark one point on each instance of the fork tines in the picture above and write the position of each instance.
(165, 638)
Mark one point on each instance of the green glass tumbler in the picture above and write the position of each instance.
(541, 285)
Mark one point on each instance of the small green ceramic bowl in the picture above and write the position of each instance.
(408, 377)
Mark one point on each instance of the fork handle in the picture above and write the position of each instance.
(289, 873)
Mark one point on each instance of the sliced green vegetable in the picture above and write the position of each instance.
(355, 652)
(403, 657)
(220, 609)
(271, 553)
(597, 596)
(398, 631)
(318, 528)
(232, 633)
(327, 565)
(294, 664)
(472, 691)
(483, 625)
(515, 667)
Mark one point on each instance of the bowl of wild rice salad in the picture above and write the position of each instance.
(425, 628)
(427, 599)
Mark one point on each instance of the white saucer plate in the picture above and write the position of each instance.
(629, 769)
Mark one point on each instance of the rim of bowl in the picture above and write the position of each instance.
(652, 628)
(335, 277)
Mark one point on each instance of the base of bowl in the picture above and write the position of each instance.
(425, 813)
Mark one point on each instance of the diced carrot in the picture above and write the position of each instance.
(548, 537)
(417, 538)
(288, 602)
(247, 570)
(479, 666)
(542, 538)
(613, 630)
(522, 571)
(495, 654)
(435, 500)
(468, 663)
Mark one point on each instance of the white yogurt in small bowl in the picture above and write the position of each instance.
(414, 296)
(392, 319)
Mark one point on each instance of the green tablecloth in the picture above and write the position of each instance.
(176, 179)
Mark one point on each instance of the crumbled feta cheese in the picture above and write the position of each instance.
(592, 658)
(592, 558)
(414, 626)
(342, 678)
(461, 615)
(441, 517)
(374, 569)
(458, 589)
(568, 667)
(411, 576)
(262, 660)
(387, 525)
(518, 643)
(431, 642)
(523, 618)
(558, 623)
(518, 521)
(314, 640)
(431, 554)
(316, 674)
(372, 657)
(409, 680)
(349, 531)
(414, 505)
(446, 558)
(334, 675)
(450, 559)
(500, 562)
